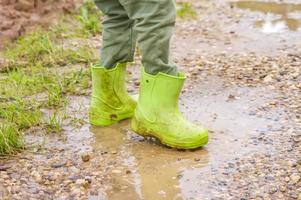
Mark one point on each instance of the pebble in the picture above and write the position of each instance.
(58, 165)
(114, 152)
(295, 178)
(82, 182)
(74, 170)
(282, 188)
(116, 171)
(85, 157)
(4, 167)
(243, 181)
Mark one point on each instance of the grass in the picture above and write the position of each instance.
(11, 140)
(22, 113)
(53, 124)
(186, 11)
(34, 78)
(41, 48)
(55, 96)
(89, 18)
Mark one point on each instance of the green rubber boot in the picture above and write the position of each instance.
(157, 113)
(110, 101)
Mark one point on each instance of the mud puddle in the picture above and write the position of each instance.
(276, 18)
(240, 27)
(147, 170)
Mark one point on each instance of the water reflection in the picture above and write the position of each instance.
(278, 16)
(154, 171)
(146, 170)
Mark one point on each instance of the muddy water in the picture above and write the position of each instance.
(238, 26)
(278, 17)
(150, 171)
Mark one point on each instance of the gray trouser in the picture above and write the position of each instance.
(148, 22)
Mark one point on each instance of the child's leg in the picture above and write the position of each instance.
(118, 42)
(154, 23)
(157, 112)
(110, 102)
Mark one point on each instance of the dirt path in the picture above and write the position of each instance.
(244, 85)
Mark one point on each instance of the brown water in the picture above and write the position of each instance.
(150, 171)
(140, 168)
(277, 17)
(154, 171)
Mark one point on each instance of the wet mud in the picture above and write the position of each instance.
(249, 103)
(124, 165)
(279, 16)
(149, 170)
(264, 27)
(19, 16)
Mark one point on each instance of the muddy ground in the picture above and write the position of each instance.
(20, 16)
(244, 83)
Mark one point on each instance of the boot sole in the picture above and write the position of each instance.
(140, 130)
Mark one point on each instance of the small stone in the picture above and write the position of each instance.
(33, 190)
(74, 169)
(273, 190)
(295, 178)
(4, 167)
(287, 179)
(39, 179)
(294, 196)
(88, 179)
(3, 191)
(80, 181)
(24, 5)
(124, 187)
(116, 171)
(85, 157)
(282, 188)
(268, 79)
(231, 97)
(58, 165)
(86, 184)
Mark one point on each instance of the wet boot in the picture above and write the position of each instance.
(157, 113)
(110, 101)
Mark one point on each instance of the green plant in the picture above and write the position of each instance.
(53, 124)
(89, 18)
(77, 82)
(23, 113)
(55, 95)
(21, 82)
(40, 49)
(11, 140)
(186, 11)
(34, 77)
(32, 47)
(63, 29)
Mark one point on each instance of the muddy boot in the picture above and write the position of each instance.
(157, 113)
(110, 101)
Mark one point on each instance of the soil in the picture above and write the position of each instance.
(18, 16)
(243, 84)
